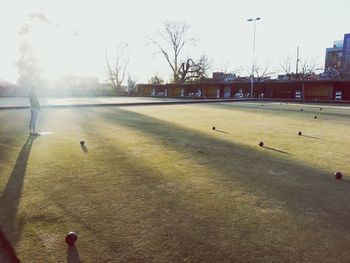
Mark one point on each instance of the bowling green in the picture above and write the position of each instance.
(158, 184)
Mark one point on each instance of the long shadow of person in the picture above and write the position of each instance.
(73, 255)
(11, 195)
(7, 253)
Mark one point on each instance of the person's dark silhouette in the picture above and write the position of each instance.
(10, 198)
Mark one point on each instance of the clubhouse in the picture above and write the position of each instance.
(320, 90)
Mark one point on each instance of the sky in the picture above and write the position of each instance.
(70, 37)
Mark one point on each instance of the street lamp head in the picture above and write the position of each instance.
(258, 18)
(250, 19)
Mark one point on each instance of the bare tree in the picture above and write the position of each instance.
(286, 65)
(262, 71)
(191, 70)
(132, 88)
(117, 66)
(170, 42)
(156, 80)
(28, 67)
(307, 70)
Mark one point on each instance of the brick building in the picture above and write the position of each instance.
(274, 89)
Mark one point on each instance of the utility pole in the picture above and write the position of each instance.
(296, 74)
(296, 70)
(252, 75)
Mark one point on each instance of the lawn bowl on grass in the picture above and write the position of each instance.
(338, 175)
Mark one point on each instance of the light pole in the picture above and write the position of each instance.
(252, 75)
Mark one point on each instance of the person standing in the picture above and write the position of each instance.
(34, 111)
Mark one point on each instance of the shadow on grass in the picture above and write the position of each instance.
(73, 255)
(311, 137)
(10, 197)
(84, 148)
(273, 149)
(7, 253)
(221, 131)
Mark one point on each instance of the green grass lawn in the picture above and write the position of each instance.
(157, 184)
